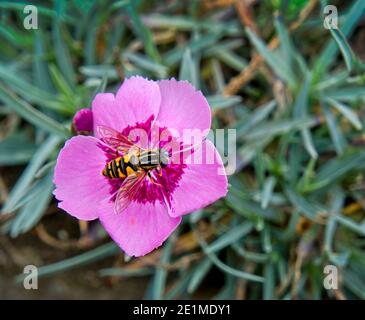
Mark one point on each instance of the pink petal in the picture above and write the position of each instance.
(80, 186)
(136, 100)
(183, 107)
(83, 121)
(200, 184)
(139, 229)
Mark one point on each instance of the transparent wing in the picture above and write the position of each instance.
(114, 138)
(127, 191)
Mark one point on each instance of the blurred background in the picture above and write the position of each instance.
(290, 84)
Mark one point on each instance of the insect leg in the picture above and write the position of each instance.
(159, 171)
(152, 180)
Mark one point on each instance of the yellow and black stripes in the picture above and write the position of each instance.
(118, 168)
(149, 159)
(122, 167)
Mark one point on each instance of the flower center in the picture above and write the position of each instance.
(162, 176)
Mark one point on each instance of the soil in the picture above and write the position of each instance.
(79, 283)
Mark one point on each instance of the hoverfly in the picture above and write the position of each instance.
(134, 164)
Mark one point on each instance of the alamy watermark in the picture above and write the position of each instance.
(30, 281)
(330, 17)
(330, 281)
(186, 146)
(31, 19)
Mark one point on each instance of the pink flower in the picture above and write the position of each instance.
(140, 216)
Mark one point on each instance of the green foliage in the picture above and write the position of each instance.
(300, 150)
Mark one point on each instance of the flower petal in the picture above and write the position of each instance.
(136, 100)
(200, 184)
(79, 183)
(140, 228)
(183, 107)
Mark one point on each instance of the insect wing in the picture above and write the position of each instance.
(114, 138)
(127, 191)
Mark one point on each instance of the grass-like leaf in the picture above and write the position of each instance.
(279, 66)
(31, 114)
(102, 252)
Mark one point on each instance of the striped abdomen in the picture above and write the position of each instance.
(118, 168)
(149, 159)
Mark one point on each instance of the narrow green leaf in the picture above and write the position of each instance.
(346, 111)
(302, 204)
(14, 37)
(335, 132)
(188, 70)
(200, 272)
(40, 68)
(39, 157)
(196, 45)
(350, 94)
(62, 52)
(336, 206)
(345, 48)
(256, 117)
(218, 102)
(60, 82)
(179, 289)
(268, 189)
(119, 4)
(32, 211)
(308, 143)
(31, 114)
(354, 283)
(328, 55)
(187, 23)
(269, 283)
(300, 111)
(223, 46)
(279, 66)
(45, 169)
(232, 271)
(277, 127)
(145, 63)
(99, 253)
(249, 208)
(218, 76)
(159, 280)
(16, 150)
(332, 170)
(285, 41)
(142, 32)
(232, 60)
(32, 94)
(91, 35)
(120, 272)
(352, 225)
(230, 237)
